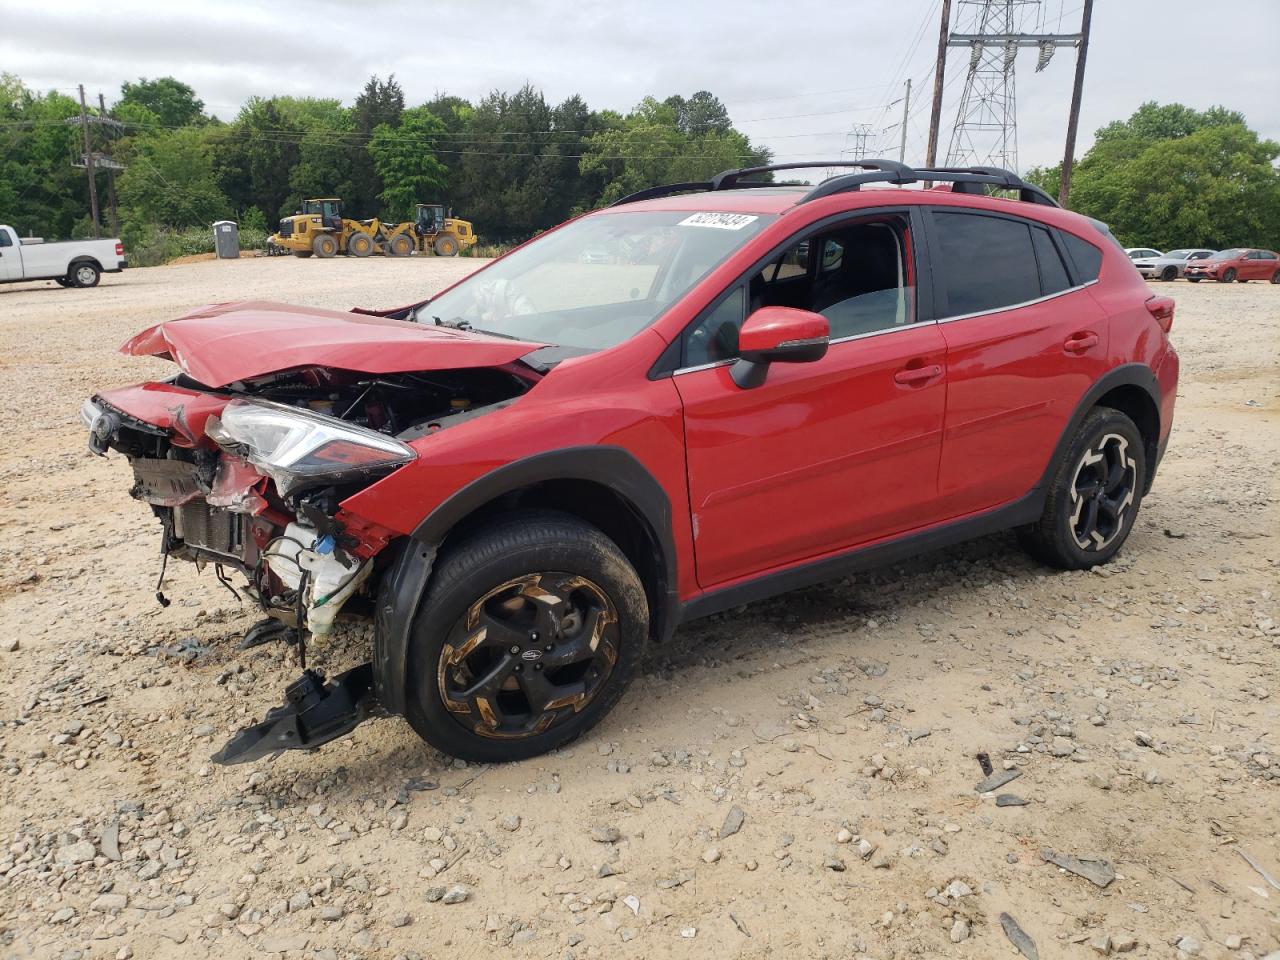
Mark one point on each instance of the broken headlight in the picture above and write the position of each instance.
(293, 445)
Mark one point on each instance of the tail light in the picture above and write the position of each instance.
(1162, 309)
(119, 249)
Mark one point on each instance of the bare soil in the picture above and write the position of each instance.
(841, 724)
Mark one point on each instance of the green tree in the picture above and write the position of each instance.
(171, 101)
(170, 181)
(403, 159)
(381, 101)
(1170, 176)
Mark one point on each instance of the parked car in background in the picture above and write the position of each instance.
(1171, 265)
(1142, 253)
(561, 460)
(72, 263)
(1240, 264)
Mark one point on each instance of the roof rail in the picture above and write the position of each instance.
(965, 180)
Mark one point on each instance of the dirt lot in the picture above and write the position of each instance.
(840, 726)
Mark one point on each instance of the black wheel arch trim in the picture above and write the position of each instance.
(1126, 375)
(405, 583)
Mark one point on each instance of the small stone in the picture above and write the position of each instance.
(435, 894)
(456, 894)
(865, 848)
(9, 644)
(710, 855)
(958, 888)
(332, 913)
(73, 853)
(510, 823)
(109, 903)
(299, 901)
(959, 930)
(1190, 946)
(1142, 738)
(843, 835)
(689, 932)
(1010, 800)
(401, 919)
(733, 822)
(1124, 944)
(606, 834)
(1101, 944)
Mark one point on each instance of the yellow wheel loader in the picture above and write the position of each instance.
(320, 229)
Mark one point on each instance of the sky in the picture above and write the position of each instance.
(796, 76)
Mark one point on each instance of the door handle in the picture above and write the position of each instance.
(1080, 342)
(917, 374)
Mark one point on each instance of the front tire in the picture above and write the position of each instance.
(1275, 277)
(1193, 279)
(529, 634)
(1170, 273)
(1094, 495)
(446, 247)
(1228, 275)
(325, 246)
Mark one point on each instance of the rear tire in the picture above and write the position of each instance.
(1275, 277)
(1193, 279)
(1228, 275)
(446, 247)
(62, 281)
(84, 275)
(1094, 495)
(400, 246)
(302, 253)
(325, 246)
(528, 635)
(360, 245)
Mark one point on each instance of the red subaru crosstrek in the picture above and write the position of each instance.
(703, 395)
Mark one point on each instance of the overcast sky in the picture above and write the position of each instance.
(796, 75)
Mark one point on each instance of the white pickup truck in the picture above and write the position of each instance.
(72, 263)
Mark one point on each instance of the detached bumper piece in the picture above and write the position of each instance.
(314, 714)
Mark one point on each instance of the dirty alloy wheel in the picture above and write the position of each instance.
(446, 247)
(360, 245)
(1169, 273)
(324, 246)
(84, 275)
(1094, 495)
(1228, 275)
(529, 633)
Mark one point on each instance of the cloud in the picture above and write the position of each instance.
(796, 76)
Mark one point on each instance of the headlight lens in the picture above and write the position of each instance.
(293, 445)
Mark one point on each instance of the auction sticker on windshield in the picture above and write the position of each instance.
(718, 221)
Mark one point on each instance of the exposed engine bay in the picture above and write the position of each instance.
(249, 478)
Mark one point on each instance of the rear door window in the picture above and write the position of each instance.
(1087, 257)
(986, 263)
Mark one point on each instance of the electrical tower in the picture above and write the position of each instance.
(986, 129)
(855, 142)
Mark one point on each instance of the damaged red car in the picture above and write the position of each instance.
(706, 394)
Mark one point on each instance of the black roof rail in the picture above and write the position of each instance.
(971, 179)
(965, 180)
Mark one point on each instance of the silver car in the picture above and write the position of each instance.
(1171, 265)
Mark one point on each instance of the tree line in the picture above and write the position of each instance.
(512, 163)
(515, 164)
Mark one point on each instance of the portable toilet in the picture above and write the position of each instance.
(226, 239)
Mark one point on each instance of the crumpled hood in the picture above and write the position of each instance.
(222, 343)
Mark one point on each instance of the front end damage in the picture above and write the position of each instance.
(249, 478)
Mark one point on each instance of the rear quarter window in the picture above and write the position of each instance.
(1087, 257)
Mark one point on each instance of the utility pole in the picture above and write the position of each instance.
(110, 176)
(88, 164)
(906, 105)
(1077, 92)
(939, 69)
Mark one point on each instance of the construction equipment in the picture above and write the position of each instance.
(320, 228)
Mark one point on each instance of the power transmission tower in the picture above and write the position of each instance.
(986, 130)
(855, 141)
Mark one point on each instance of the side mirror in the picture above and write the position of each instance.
(778, 335)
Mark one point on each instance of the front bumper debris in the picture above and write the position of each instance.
(315, 713)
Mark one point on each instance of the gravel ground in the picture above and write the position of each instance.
(798, 778)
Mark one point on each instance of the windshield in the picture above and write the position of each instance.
(596, 281)
(1227, 254)
(1177, 254)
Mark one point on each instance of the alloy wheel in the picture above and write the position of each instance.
(1102, 491)
(529, 654)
